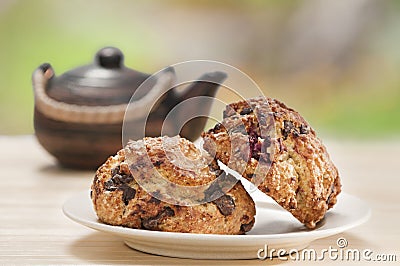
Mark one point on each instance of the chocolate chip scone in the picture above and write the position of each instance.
(273, 146)
(118, 198)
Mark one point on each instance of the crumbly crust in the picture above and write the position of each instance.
(273, 146)
(119, 200)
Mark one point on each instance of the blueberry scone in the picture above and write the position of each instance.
(118, 198)
(272, 146)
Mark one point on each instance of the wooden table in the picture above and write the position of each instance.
(33, 229)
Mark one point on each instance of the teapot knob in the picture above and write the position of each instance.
(109, 57)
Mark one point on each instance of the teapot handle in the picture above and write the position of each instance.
(91, 114)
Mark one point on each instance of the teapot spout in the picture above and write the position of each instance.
(206, 85)
(196, 112)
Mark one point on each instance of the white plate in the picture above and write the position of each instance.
(274, 227)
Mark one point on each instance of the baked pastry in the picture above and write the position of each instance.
(273, 146)
(118, 198)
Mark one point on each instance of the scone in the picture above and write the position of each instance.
(272, 146)
(118, 199)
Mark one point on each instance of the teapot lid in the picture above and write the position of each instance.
(104, 82)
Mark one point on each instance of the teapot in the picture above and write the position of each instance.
(78, 115)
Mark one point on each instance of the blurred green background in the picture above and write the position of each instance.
(337, 62)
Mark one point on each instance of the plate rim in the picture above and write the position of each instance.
(126, 232)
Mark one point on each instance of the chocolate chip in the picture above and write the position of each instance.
(264, 158)
(246, 111)
(246, 227)
(154, 200)
(255, 153)
(229, 111)
(255, 146)
(267, 142)
(127, 178)
(287, 128)
(288, 125)
(218, 126)
(115, 171)
(213, 191)
(282, 146)
(261, 116)
(216, 189)
(292, 205)
(168, 212)
(239, 129)
(157, 194)
(225, 204)
(158, 163)
(152, 222)
(329, 199)
(137, 166)
(304, 129)
(109, 185)
(117, 179)
(332, 191)
(128, 193)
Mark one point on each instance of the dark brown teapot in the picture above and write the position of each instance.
(78, 116)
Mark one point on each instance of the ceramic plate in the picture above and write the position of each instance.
(274, 227)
